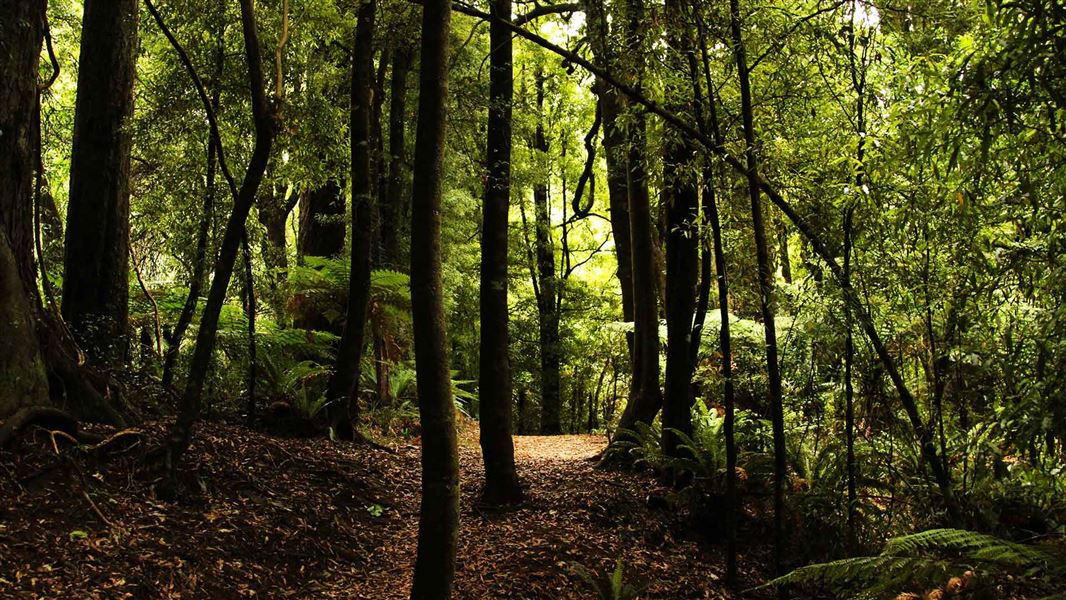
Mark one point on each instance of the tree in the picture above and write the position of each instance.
(766, 286)
(96, 264)
(547, 288)
(682, 247)
(265, 131)
(645, 397)
(438, 523)
(393, 208)
(342, 393)
(495, 387)
(22, 373)
(42, 344)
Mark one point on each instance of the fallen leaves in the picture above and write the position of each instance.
(269, 517)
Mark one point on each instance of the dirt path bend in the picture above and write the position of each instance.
(270, 517)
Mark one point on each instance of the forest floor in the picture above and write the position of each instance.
(263, 516)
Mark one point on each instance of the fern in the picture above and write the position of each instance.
(929, 558)
(609, 587)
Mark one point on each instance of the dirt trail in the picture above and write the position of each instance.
(288, 518)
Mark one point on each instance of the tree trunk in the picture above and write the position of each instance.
(497, 447)
(392, 209)
(682, 252)
(96, 265)
(39, 344)
(322, 221)
(645, 398)
(343, 390)
(782, 243)
(766, 291)
(548, 295)
(438, 523)
(22, 374)
(265, 129)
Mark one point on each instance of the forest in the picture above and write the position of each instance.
(606, 299)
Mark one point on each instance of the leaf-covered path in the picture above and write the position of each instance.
(289, 518)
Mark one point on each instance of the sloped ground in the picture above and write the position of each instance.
(289, 518)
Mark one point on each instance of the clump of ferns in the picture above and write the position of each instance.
(640, 446)
(611, 586)
(947, 561)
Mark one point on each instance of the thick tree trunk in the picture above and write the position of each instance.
(322, 221)
(612, 106)
(645, 398)
(548, 286)
(766, 291)
(343, 390)
(682, 252)
(36, 342)
(22, 375)
(265, 129)
(497, 447)
(393, 207)
(438, 523)
(96, 266)
(22, 24)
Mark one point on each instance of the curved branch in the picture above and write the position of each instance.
(212, 120)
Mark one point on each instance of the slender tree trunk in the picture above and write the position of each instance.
(265, 128)
(343, 393)
(711, 128)
(682, 251)
(96, 265)
(497, 447)
(849, 399)
(548, 285)
(782, 243)
(196, 278)
(438, 523)
(249, 311)
(645, 398)
(766, 291)
(522, 409)
(392, 209)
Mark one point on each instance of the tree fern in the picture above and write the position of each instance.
(929, 559)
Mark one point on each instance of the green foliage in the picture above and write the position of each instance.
(928, 559)
(612, 586)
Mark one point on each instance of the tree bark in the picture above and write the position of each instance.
(497, 447)
(548, 286)
(682, 251)
(645, 398)
(343, 390)
(322, 226)
(612, 105)
(438, 523)
(96, 264)
(392, 209)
